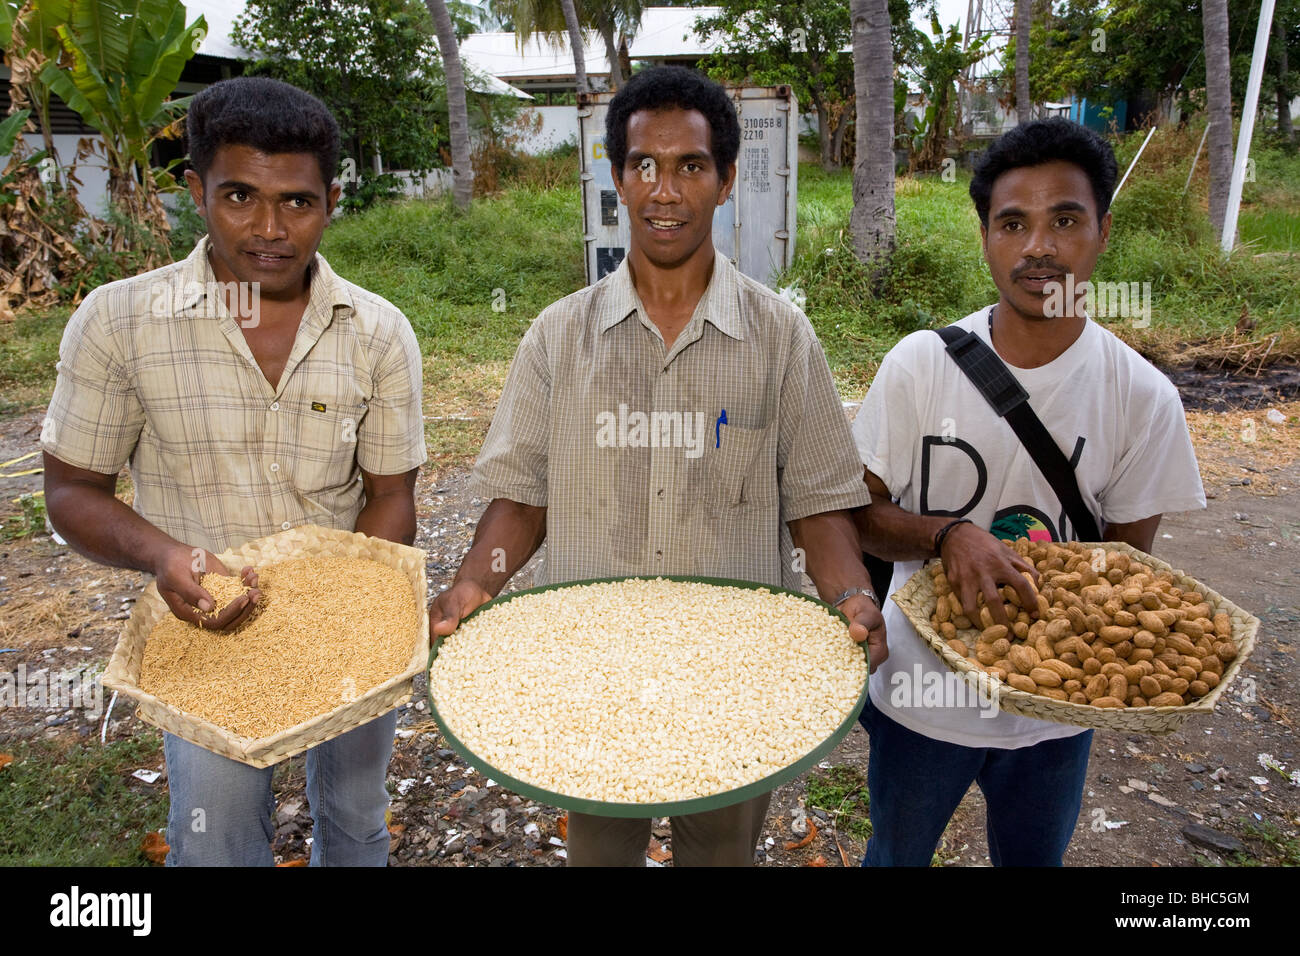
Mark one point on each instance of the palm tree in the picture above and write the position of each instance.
(548, 17)
(623, 16)
(1218, 95)
(873, 219)
(575, 44)
(1024, 106)
(462, 172)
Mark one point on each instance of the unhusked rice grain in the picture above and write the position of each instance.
(223, 589)
(326, 631)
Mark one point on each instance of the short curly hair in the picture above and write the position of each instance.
(1042, 141)
(667, 86)
(266, 114)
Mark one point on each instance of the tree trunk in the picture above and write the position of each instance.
(462, 170)
(873, 218)
(934, 149)
(1024, 105)
(823, 131)
(1218, 94)
(605, 26)
(837, 137)
(1283, 87)
(624, 57)
(575, 44)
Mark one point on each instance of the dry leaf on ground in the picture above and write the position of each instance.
(155, 848)
(800, 844)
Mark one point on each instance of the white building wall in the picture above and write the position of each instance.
(559, 125)
(92, 175)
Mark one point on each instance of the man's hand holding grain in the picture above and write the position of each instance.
(179, 582)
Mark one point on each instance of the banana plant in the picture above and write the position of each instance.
(9, 130)
(29, 40)
(117, 63)
(942, 61)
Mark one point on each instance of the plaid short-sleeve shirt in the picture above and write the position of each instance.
(687, 460)
(154, 371)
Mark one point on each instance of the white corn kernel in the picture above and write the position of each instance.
(647, 691)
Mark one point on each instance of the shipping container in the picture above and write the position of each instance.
(754, 228)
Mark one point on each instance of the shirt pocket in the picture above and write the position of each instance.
(741, 470)
(323, 447)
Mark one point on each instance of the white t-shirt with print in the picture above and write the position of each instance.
(931, 437)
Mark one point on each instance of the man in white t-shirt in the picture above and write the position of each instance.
(948, 477)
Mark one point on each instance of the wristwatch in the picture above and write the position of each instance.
(852, 591)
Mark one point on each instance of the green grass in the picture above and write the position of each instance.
(29, 347)
(29, 520)
(1279, 848)
(444, 271)
(841, 791)
(1270, 230)
(79, 806)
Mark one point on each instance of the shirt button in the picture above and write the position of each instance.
(275, 466)
(659, 554)
(286, 526)
(660, 492)
(275, 406)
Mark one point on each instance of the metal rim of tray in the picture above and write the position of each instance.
(695, 804)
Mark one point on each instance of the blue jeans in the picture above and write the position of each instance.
(221, 809)
(915, 783)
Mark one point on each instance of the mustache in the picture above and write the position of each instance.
(1039, 267)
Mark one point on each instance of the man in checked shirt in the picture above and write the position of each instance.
(251, 390)
(751, 454)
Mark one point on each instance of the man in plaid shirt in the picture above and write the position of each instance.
(676, 417)
(251, 390)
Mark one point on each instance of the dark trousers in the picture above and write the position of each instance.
(915, 783)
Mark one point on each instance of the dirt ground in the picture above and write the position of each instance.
(1201, 796)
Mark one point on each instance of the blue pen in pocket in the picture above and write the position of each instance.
(717, 429)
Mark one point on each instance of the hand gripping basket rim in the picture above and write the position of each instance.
(916, 598)
(607, 808)
(123, 673)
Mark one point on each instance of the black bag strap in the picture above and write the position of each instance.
(1009, 400)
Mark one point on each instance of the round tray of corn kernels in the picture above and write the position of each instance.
(632, 697)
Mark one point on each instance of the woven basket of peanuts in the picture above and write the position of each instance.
(1120, 640)
(636, 697)
(335, 641)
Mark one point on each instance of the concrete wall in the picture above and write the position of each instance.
(433, 183)
(92, 175)
(559, 124)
